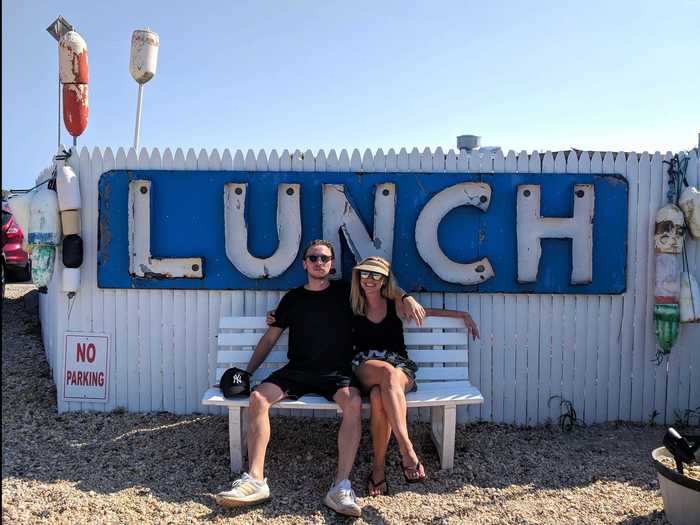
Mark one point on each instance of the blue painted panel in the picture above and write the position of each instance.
(187, 220)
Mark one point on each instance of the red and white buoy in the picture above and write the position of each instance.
(74, 75)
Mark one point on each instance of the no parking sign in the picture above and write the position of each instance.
(86, 370)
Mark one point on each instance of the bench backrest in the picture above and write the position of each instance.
(439, 347)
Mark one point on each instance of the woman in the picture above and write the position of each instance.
(383, 367)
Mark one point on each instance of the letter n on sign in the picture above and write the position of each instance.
(86, 367)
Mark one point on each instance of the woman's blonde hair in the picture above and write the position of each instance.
(389, 290)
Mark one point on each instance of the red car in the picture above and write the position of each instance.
(15, 261)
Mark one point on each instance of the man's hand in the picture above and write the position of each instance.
(270, 318)
(410, 309)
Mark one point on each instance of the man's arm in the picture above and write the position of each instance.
(407, 307)
(262, 350)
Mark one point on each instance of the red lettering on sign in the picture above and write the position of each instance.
(83, 352)
(91, 353)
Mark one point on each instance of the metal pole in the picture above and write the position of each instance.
(59, 113)
(138, 118)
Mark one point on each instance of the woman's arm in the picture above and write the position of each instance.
(468, 321)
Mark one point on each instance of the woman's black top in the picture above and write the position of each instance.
(385, 336)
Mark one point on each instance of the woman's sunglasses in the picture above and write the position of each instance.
(314, 258)
(375, 276)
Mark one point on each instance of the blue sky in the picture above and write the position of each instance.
(543, 75)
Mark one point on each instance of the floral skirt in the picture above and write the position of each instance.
(404, 364)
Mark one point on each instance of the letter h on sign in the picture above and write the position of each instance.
(532, 228)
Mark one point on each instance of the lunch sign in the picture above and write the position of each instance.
(443, 232)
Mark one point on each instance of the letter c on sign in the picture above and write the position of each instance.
(476, 194)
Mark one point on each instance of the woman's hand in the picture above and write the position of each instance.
(471, 325)
(409, 308)
(270, 318)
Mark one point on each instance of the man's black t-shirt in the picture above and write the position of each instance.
(320, 325)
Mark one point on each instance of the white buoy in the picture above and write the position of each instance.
(142, 66)
(67, 187)
(690, 299)
(44, 220)
(71, 280)
(144, 55)
(689, 202)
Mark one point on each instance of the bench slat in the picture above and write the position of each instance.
(226, 357)
(410, 338)
(251, 322)
(458, 393)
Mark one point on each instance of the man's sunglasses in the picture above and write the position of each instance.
(375, 276)
(314, 258)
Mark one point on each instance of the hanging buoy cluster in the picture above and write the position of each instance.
(68, 187)
(676, 292)
(73, 73)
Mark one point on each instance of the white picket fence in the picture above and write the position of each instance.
(596, 351)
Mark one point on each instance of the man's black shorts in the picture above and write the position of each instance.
(296, 383)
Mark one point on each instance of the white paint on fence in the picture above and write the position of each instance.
(595, 351)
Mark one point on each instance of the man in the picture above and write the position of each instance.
(318, 316)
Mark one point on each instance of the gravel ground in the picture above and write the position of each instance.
(162, 468)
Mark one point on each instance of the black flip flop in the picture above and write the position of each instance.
(372, 485)
(415, 469)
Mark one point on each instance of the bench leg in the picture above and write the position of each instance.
(236, 436)
(442, 422)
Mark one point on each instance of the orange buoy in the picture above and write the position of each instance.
(75, 108)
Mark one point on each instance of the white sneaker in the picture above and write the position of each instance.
(244, 491)
(341, 498)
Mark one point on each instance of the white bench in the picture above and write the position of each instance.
(439, 347)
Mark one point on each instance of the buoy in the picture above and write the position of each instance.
(689, 202)
(72, 251)
(71, 280)
(75, 108)
(42, 264)
(67, 186)
(690, 299)
(144, 55)
(668, 243)
(44, 221)
(73, 59)
(20, 206)
(73, 72)
(70, 222)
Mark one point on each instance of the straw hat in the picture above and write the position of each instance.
(374, 264)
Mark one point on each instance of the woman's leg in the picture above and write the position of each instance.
(393, 384)
(381, 433)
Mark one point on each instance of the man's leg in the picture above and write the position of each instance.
(251, 488)
(264, 396)
(350, 402)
